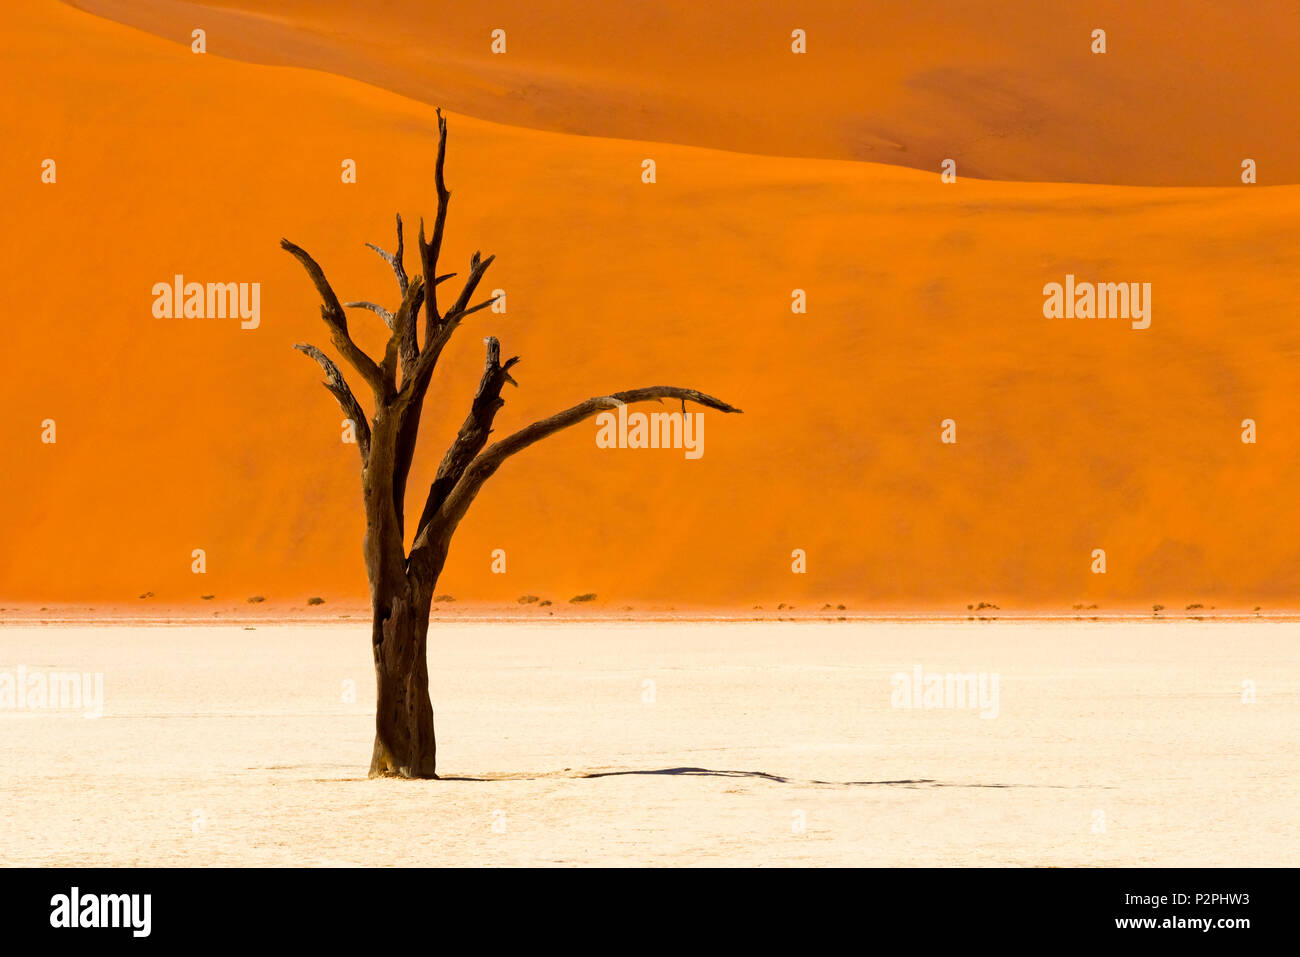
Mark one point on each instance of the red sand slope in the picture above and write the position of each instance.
(924, 304)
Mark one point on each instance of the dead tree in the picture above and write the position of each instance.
(401, 581)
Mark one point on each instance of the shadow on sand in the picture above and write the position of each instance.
(752, 775)
(574, 774)
(760, 775)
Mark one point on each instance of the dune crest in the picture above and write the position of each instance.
(1011, 90)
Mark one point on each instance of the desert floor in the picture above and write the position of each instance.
(657, 743)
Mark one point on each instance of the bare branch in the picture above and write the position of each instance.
(477, 267)
(474, 432)
(399, 341)
(332, 312)
(395, 260)
(408, 316)
(435, 532)
(417, 376)
(473, 309)
(409, 349)
(430, 251)
(338, 387)
(377, 309)
(437, 334)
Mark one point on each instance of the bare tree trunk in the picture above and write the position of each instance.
(404, 737)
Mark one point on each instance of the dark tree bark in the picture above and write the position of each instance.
(402, 583)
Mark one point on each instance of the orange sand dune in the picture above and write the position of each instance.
(924, 303)
(1009, 88)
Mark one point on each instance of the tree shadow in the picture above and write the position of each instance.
(687, 772)
(761, 775)
(571, 774)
